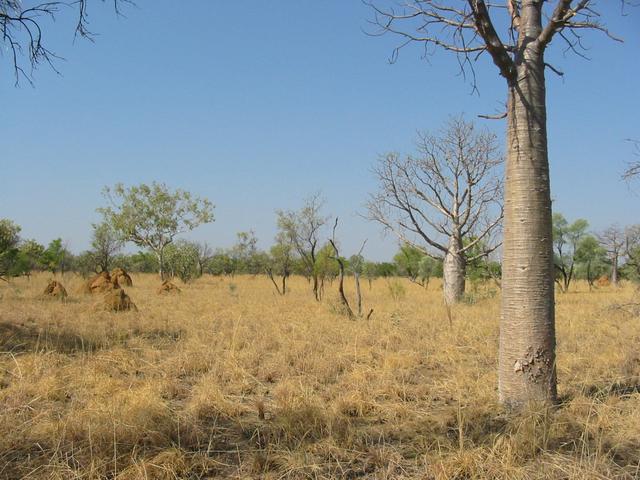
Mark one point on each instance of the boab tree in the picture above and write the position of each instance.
(151, 216)
(613, 240)
(515, 34)
(445, 201)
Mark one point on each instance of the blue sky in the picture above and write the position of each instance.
(257, 106)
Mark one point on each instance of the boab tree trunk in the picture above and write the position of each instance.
(454, 271)
(527, 333)
(467, 30)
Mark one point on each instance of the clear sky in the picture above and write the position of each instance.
(257, 104)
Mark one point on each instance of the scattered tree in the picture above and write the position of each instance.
(205, 254)
(281, 262)
(613, 241)
(591, 257)
(182, 260)
(566, 238)
(56, 256)
(151, 216)
(437, 201)
(416, 266)
(9, 252)
(303, 228)
(632, 249)
(105, 244)
(243, 254)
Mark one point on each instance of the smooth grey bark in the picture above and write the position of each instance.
(160, 257)
(527, 370)
(454, 270)
(467, 29)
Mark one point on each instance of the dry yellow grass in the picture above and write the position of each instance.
(229, 380)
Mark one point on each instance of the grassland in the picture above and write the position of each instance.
(230, 380)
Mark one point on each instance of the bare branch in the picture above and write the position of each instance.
(21, 29)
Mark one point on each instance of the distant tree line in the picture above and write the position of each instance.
(579, 255)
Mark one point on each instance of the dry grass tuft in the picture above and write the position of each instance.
(229, 380)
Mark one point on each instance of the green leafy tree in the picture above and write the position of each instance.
(591, 259)
(151, 216)
(220, 263)
(85, 263)
(182, 260)
(56, 257)
(483, 268)
(9, 251)
(632, 252)
(370, 272)
(244, 252)
(140, 262)
(566, 238)
(326, 267)
(419, 268)
(304, 228)
(281, 262)
(32, 253)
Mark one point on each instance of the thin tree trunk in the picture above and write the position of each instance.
(275, 284)
(454, 270)
(356, 277)
(614, 271)
(160, 258)
(316, 288)
(527, 370)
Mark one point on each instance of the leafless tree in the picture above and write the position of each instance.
(22, 26)
(613, 241)
(205, 253)
(515, 35)
(303, 228)
(446, 201)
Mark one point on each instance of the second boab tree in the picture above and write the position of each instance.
(446, 201)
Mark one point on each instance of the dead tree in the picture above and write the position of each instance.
(446, 202)
(340, 260)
